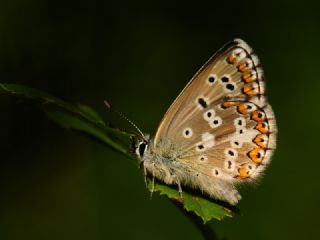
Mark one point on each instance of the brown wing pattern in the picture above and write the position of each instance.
(221, 120)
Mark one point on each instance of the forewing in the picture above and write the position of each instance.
(221, 121)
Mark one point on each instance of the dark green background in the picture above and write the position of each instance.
(56, 184)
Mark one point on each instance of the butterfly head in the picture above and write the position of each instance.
(142, 145)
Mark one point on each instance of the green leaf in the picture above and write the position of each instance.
(202, 207)
(75, 117)
(85, 120)
(113, 138)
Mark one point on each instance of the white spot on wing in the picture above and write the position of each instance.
(267, 157)
(239, 54)
(203, 158)
(239, 122)
(215, 122)
(229, 165)
(200, 147)
(246, 136)
(241, 131)
(231, 153)
(187, 132)
(250, 168)
(208, 115)
(255, 60)
(255, 86)
(237, 143)
(212, 78)
(208, 140)
(251, 107)
(217, 172)
(248, 62)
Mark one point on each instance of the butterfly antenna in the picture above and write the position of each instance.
(108, 106)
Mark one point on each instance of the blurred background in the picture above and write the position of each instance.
(56, 184)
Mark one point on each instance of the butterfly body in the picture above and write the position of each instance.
(166, 164)
(219, 132)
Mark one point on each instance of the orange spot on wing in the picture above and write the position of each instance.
(243, 173)
(260, 140)
(256, 155)
(249, 77)
(262, 127)
(232, 59)
(247, 89)
(228, 104)
(245, 170)
(242, 108)
(242, 67)
(258, 116)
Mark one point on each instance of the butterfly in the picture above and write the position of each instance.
(219, 132)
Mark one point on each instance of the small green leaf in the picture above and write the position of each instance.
(85, 120)
(202, 207)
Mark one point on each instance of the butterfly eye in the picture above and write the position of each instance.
(141, 149)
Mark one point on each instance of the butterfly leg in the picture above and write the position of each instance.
(152, 188)
(153, 183)
(180, 190)
(145, 176)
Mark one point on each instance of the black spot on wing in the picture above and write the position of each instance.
(202, 103)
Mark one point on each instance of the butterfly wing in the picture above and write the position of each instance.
(221, 121)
